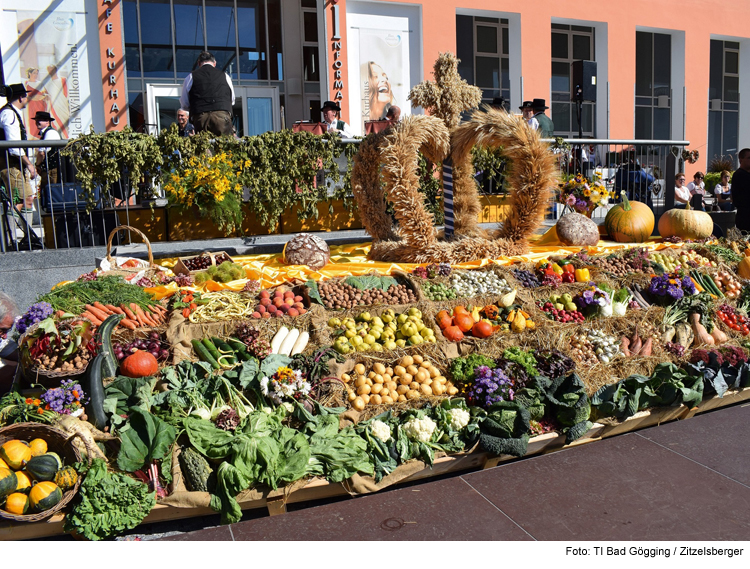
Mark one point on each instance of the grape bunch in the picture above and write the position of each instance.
(438, 291)
(560, 315)
(526, 278)
(153, 344)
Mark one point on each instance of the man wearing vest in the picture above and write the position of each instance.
(15, 161)
(546, 126)
(47, 159)
(208, 94)
(330, 112)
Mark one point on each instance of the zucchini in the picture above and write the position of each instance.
(209, 345)
(104, 339)
(203, 353)
(712, 285)
(237, 346)
(95, 390)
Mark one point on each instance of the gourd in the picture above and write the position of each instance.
(686, 223)
(66, 478)
(464, 321)
(138, 364)
(197, 472)
(23, 482)
(630, 222)
(8, 482)
(453, 334)
(3, 464)
(482, 329)
(15, 453)
(17, 504)
(104, 339)
(444, 321)
(744, 268)
(701, 334)
(38, 447)
(44, 467)
(44, 496)
(95, 389)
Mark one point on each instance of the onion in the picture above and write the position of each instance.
(155, 354)
(164, 354)
(154, 336)
(153, 346)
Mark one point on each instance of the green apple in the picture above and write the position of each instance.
(426, 332)
(334, 322)
(350, 333)
(409, 329)
(415, 312)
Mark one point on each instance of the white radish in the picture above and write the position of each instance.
(288, 344)
(278, 339)
(300, 344)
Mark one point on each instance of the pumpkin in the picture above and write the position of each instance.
(23, 482)
(66, 478)
(15, 453)
(139, 364)
(460, 309)
(3, 464)
(482, 329)
(38, 447)
(442, 314)
(464, 321)
(444, 321)
(453, 334)
(8, 482)
(307, 249)
(743, 269)
(17, 504)
(44, 496)
(44, 467)
(630, 222)
(686, 223)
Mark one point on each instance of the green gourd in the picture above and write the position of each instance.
(44, 467)
(66, 478)
(104, 339)
(95, 389)
(8, 482)
(44, 496)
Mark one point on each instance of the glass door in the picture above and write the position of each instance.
(261, 109)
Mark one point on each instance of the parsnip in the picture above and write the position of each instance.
(288, 343)
(278, 339)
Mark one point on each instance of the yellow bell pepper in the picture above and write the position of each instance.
(582, 275)
(557, 268)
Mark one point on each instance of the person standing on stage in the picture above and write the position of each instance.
(16, 170)
(208, 94)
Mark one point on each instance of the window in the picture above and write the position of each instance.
(311, 58)
(155, 20)
(653, 86)
(723, 98)
(569, 44)
(484, 53)
(189, 37)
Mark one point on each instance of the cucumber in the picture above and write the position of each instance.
(203, 353)
(104, 339)
(95, 390)
(209, 345)
(237, 346)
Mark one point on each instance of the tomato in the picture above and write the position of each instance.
(185, 312)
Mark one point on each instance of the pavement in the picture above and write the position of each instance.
(687, 480)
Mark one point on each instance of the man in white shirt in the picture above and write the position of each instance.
(208, 94)
(330, 112)
(47, 159)
(528, 115)
(14, 163)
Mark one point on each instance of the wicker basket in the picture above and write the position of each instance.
(126, 272)
(57, 442)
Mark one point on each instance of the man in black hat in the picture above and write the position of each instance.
(528, 115)
(14, 162)
(208, 94)
(47, 159)
(330, 112)
(546, 126)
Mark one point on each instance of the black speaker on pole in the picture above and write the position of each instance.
(584, 76)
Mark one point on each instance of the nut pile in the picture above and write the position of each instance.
(411, 378)
(339, 295)
(198, 263)
(472, 283)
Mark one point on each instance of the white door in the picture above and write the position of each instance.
(256, 109)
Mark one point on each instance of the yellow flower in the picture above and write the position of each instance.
(586, 192)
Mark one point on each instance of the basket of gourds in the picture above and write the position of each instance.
(37, 478)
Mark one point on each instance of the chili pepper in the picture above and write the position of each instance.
(582, 275)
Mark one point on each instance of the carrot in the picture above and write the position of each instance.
(94, 319)
(128, 324)
(115, 309)
(128, 313)
(103, 308)
(100, 314)
(60, 314)
(138, 311)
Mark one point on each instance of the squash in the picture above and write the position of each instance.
(44, 496)
(443, 321)
(104, 339)
(23, 482)
(95, 389)
(38, 447)
(686, 223)
(17, 504)
(3, 464)
(464, 321)
(66, 478)
(482, 329)
(743, 269)
(44, 467)
(630, 222)
(453, 334)
(8, 482)
(138, 364)
(15, 453)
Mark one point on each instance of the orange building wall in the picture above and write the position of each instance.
(698, 19)
(112, 64)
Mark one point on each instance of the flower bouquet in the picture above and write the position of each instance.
(286, 384)
(594, 301)
(583, 195)
(490, 386)
(668, 288)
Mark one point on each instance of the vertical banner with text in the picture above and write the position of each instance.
(113, 64)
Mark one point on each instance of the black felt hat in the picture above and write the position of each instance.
(42, 116)
(15, 91)
(539, 104)
(525, 105)
(330, 105)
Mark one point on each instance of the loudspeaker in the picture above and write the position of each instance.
(584, 75)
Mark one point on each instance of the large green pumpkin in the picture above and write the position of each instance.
(629, 222)
(44, 467)
(686, 223)
(8, 482)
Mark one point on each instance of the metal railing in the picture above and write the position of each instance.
(59, 216)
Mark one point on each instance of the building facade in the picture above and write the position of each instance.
(676, 71)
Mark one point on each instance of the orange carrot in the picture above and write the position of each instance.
(103, 308)
(128, 313)
(94, 319)
(115, 309)
(60, 313)
(138, 311)
(128, 324)
(100, 314)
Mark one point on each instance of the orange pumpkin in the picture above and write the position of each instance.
(460, 309)
(464, 321)
(453, 334)
(38, 447)
(15, 453)
(442, 314)
(139, 364)
(17, 504)
(445, 321)
(482, 329)
(629, 222)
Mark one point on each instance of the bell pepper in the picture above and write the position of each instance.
(582, 275)
(557, 268)
(568, 277)
(568, 268)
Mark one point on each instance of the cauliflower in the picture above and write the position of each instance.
(419, 429)
(459, 418)
(381, 430)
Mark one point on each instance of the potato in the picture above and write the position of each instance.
(366, 398)
(387, 400)
(360, 369)
(364, 390)
(387, 379)
(412, 369)
(409, 376)
(377, 388)
(404, 381)
(426, 390)
(385, 391)
(391, 385)
(402, 389)
(371, 375)
(418, 359)
(358, 404)
(406, 361)
(376, 400)
(346, 378)
(421, 376)
(360, 381)
(399, 370)
(378, 379)
(389, 370)
(401, 398)
(412, 394)
(414, 386)
(433, 371)
(352, 395)
(437, 388)
(452, 390)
